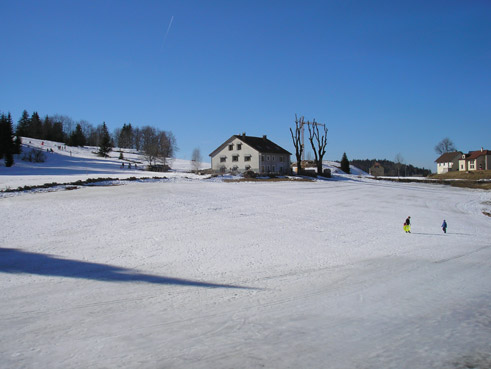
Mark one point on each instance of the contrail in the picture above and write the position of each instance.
(168, 29)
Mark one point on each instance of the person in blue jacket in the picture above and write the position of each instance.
(444, 226)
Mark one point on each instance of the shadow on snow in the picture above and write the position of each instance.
(16, 261)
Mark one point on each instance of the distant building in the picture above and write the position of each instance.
(376, 170)
(241, 153)
(448, 162)
(475, 160)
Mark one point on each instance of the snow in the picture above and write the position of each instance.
(80, 163)
(193, 273)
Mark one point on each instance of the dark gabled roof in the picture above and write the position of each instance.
(261, 144)
(448, 157)
(476, 154)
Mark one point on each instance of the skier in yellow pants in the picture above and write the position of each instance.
(407, 225)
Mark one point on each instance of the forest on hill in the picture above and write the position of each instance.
(391, 168)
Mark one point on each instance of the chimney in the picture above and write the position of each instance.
(265, 137)
(243, 134)
(482, 149)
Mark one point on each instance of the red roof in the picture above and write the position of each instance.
(476, 154)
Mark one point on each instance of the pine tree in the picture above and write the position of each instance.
(7, 147)
(345, 164)
(17, 145)
(23, 124)
(35, 126)
(3, 136)
(125, 137)
(106, 145)
(77, 137)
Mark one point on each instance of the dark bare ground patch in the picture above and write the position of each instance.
(268, 180)
(473, 361)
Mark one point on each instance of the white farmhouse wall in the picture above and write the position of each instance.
(223, 160)
(238, 156)
(443, 168)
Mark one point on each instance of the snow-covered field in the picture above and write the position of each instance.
(193, 273)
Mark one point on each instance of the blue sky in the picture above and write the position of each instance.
(387, 77)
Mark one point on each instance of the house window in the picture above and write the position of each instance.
(235, 157)
(230, 147)
(223, 159)
(274, 169)
(239, 146)
(247, 167)
(273, 158)
(247, 158)
(262, 169)
(267, 158)
(262, 159)
(471, 165)
(281, 158)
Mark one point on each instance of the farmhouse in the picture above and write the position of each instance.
(376, 170)
(475, 160)
(448, 162)
(241, 153)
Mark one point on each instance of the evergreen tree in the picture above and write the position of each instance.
(105, 145)
(77, 137)
(23, 124)
(35, 126)
(47, 130)
(345, 164)
(3, 136)
(57, 132)
(125, 137)
(7, 147)
(17, 145)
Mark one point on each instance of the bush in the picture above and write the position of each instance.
(34, 156)
(249, 174)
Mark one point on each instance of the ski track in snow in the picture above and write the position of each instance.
(200, 274)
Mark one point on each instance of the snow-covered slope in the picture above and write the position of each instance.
(65, 164)
(335, 168)
(208, 274)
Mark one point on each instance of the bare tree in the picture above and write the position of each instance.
(318, 143)
(444, 146)
(196, 159)
(66, 121)
(166, 146)
(158, 145)
(297, 142)
(137, 143)
(87, 130)
(399, 160)
(149, 144)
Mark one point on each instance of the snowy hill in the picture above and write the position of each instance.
(335, 168)
(207, 274)
(65, 164)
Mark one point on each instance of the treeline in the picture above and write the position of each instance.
(157, 145)
(391, 168)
